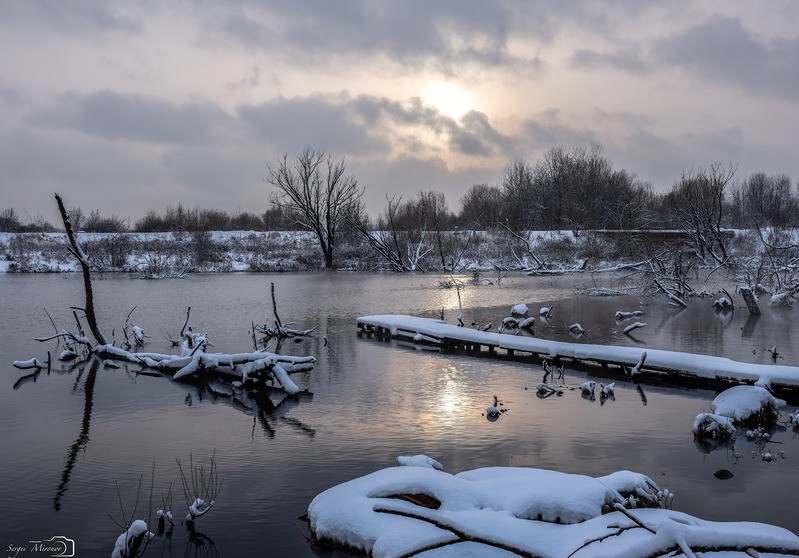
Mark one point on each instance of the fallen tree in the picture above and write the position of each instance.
(194, 362)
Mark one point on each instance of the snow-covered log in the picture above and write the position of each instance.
(637, 368)
(631, 327)
(750, 298)
(705, 367)
(28, 364)
(620, 315)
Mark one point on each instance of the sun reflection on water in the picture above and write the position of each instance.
(450, 398)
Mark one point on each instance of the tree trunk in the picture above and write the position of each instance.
(87, 278)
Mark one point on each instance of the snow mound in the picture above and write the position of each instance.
(420, 460)
(519, 310)
(506, 511)
(746, 404)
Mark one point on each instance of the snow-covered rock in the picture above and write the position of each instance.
(519, 310)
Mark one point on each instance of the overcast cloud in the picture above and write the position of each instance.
(131, 106)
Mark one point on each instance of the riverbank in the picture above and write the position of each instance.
(177, 253)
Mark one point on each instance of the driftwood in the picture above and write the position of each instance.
(674, 298)
(751, 300)
(193, 360)
(280, 330)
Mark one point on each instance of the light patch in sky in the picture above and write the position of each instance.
(131, 106)
(451, 99)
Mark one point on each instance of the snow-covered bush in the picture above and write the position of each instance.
(713, 429)
(785, 299)
(750, 405)
(129, 543)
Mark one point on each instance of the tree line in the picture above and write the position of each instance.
(570, 188)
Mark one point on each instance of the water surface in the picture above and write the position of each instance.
(68, 437)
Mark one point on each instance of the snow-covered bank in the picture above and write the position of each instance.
(493, 252)
(659, 361)
(504, 511)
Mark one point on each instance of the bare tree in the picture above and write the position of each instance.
(481, 207)
(698, 202)
(316, 187)
(9, 220)
(763, 200)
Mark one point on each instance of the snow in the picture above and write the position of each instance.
(30, 363)
(784, 300)
(67, 354)
(631, 327)
(519, 310)
(702, 366)
(527, 323)
(716, 427)
(420, 460)
(607, 390)
(534, 511)
(125, 545)
(741, 403)
(621, 315)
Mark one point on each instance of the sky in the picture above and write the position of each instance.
(127, 106)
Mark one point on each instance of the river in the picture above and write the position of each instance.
(69, 436)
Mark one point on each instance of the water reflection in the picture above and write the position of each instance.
(83, 436)
(372, 402)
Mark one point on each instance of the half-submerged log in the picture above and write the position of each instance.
(751, 300)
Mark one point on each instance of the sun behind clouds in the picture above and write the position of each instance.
(451, 99)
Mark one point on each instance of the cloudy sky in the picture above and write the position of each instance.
(129, 106)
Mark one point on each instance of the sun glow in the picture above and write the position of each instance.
(449, 98)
